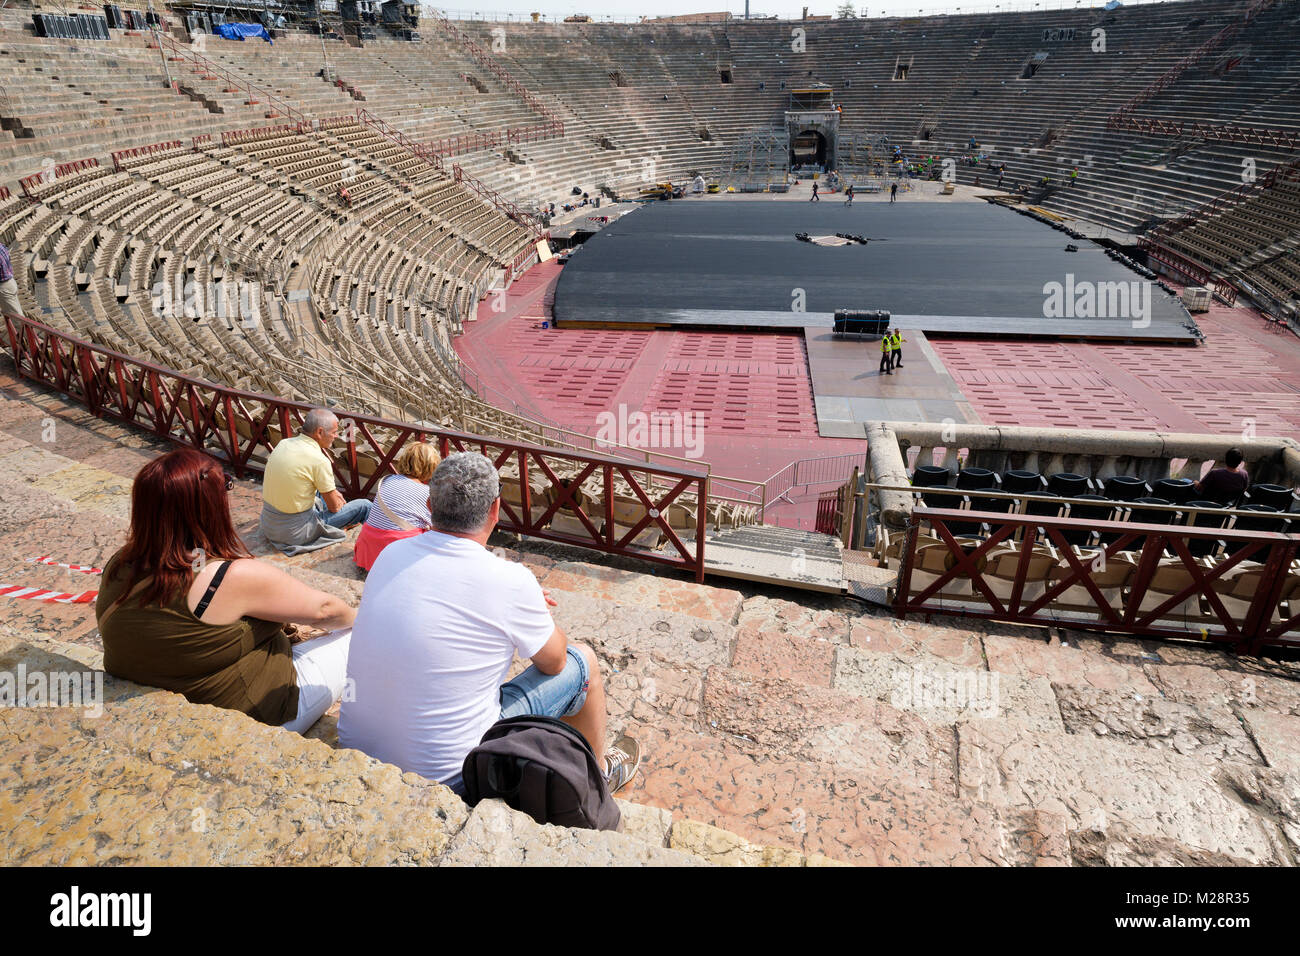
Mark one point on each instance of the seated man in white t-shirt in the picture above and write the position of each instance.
(440, 621)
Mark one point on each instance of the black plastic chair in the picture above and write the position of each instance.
(1022, 482)
(1125, 488)
(1275, 496)
(930, 476)
(977, 479)
(1152, 515)
(1103, 512)
(1047, 509)
(1069, 485)
(1175, 490)
(1203, 548)
(1269, 519)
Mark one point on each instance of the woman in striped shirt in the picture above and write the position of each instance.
(401, 508)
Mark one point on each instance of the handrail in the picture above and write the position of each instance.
(205, 415)
(501, 202)
(150, 150)
(499, 71)
(29, 183)
(1123, 116)
(964, 563)
(237, 83)
(1224, 201)
(384, 129)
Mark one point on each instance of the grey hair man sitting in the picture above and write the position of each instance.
(301, 508)
(440, 622)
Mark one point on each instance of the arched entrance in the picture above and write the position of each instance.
(808, 148)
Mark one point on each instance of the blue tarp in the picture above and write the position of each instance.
(241, 31)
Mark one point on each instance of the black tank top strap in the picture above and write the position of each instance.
(212, 590)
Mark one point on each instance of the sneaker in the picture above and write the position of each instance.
(621, 762)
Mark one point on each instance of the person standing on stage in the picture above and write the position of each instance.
(886, 368)
(896, 350)
(815, 198)
(893, 191)
(848, 195)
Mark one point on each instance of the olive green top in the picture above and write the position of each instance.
(246, 665)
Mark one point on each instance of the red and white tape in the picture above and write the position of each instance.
(83, 568)
(45, 594)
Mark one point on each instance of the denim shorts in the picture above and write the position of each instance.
(547, 695)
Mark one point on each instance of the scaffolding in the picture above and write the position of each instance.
(759, 159)
(862, 160)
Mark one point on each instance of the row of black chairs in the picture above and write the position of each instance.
(1063, 484)
(1124, 502)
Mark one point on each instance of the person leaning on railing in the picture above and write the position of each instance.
(185, 607)
(401, 506)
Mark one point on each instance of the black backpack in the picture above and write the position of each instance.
(544, 768)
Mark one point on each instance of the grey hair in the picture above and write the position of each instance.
(315, 419)
(461, 493)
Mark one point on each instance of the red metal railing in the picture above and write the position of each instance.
(1196, 271)
(828, 517)
(500, 201)
(62, 169)
(198, 142)
(241, 426)
(1271, 555)
(234, 84)
(497, 70)
(471, 142)
(234, 137)
(1220, 132)
(1220, 203)
(4, 193)
(1122, 117)
(151, 150)
(401, 139)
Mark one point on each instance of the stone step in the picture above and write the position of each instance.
(200, 785)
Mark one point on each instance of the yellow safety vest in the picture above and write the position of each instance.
(886, 342)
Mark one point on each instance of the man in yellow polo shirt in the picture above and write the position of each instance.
(301, 508)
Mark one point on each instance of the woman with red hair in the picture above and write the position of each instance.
(185, 607)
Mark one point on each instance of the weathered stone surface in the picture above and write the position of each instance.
(772, 718)
(1277, 736)
(818, 809)
(495, 835)
(176, 783)
(808, 660)
(1096, 782)
(90, 489)
(1248, 688)
(1121, 845)
(921, 642)
(649, 824)
(622, 632)
(820, 617)
(943, 694)
(1031, 656)
(707, 601)
(724, 848)
(647, 690)
(1207, 731)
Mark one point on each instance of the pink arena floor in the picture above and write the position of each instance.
(751, 393)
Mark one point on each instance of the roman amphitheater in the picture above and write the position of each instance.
(977, 611)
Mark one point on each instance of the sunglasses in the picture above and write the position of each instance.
(229, 478)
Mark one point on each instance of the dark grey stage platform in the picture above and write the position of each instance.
(968, 269)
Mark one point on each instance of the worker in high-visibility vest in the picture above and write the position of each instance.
(896, 350)
(886, 354)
